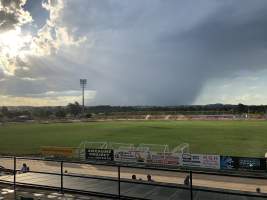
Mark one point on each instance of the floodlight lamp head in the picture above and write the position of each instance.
(83, 82)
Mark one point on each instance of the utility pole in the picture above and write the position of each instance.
(83, 83)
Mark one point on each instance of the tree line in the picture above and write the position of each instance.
(74, 110)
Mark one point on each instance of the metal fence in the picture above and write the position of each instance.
(190, 190)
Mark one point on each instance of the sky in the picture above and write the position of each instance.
(141, 52)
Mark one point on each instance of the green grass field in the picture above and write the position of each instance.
(242, 138)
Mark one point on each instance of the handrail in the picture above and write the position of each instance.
(228, 173)
(120, 180)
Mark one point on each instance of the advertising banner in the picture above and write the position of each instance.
(229, 162)
(171, 159)
(147, 157)
(252, 163)
(196, 160)
(211, 161)
(186, 160)
(245, 163)
(99, 154)
(58, 151)
(156, 158)
(201, 161)
(131, 156)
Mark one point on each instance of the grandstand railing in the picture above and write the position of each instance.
(191, 188)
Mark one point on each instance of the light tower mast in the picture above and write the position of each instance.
(83, 83)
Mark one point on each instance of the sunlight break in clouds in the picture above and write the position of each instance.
(50, 98)
(17, 44)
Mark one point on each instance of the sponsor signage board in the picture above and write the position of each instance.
(186, 160)
(171, 159)
(201, 161)
(99, 154)
(58, 151)
(211, 161)
(229, 162)
(130, 156)
(196, 160)
(252, 163)
(156, 158)
(147, 157)
(245, 163)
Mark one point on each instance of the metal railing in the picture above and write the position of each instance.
(190, 188)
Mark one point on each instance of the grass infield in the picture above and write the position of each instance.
(237, 138)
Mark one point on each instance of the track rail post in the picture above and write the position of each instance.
(191, 185)
(61, 177)
(119, 181)
(14, 172)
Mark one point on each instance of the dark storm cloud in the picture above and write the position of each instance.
(226, 42)
(163, 52)
(133, 66)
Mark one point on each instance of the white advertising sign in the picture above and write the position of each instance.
(211, 161)
(171, 159)
(155, 158)
(201, 161)
(186, 160)
(196, 160)
(131, 156)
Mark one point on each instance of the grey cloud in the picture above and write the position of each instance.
(173, 68)
(154, 52)
(227, 43)
(135, 67)
(13, 4)
(12, 14)
(7, 20)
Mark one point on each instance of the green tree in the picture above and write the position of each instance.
(60, 113)
(74, 108)
(241, 108)
(42, 113)
(88, 115)
(5, 111)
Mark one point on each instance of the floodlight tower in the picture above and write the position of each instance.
(83, 83)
